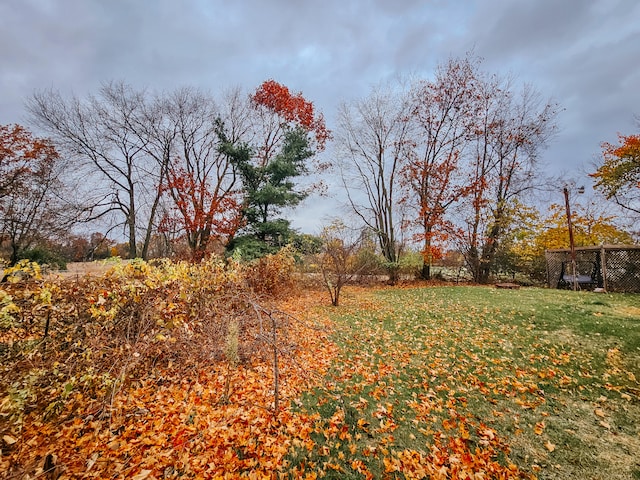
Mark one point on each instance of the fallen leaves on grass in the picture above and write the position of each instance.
(432, 388)
(396, 402)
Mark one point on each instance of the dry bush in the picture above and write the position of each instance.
(272, 275)
(96, 335)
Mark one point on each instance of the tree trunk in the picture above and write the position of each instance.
(490, 248)
(131, 218)
(473, 262)
(152, 216)
(14, 254)
(425, 274)
(393, 275)
(484, 272)
(389, 253)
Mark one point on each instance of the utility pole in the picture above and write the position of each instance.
(571, 242)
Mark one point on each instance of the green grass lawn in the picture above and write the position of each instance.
(468, 380)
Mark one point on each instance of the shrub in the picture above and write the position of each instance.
(272, 274)
(44, 256)
(95, 335)
(411, 264)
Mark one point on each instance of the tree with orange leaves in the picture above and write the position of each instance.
(618, 178)
(203, 211)
(200, 179)
(442, 113)
(31, 207)
(19, 152)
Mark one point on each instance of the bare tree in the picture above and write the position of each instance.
(160, 134)
(372, 141)
(107, 135)
(338, 257)
(512, 126)
(146, 160)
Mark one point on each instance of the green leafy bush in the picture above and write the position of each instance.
(44, 256)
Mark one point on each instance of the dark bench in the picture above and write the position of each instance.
(586, 274)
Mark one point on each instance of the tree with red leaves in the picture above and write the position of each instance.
(201, 180)
(442, 115)
(289, 134)
(30, 205)
(292, 109)
(20, 154)
(204, 212)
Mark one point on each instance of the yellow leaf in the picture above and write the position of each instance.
(599, 412)
(539, 428)
(550, 446)
(92, 460)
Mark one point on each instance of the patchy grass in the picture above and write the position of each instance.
(445, 382)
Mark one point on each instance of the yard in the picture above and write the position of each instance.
(403, 382)
(444, 382)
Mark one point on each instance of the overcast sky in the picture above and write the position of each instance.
(585, 54)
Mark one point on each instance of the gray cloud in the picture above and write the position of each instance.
(583, 54)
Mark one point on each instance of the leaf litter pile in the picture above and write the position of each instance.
(161, 372)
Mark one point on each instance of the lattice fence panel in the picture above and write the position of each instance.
(617, 269)
(622, 270)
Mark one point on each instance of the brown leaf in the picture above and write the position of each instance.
(549, 446)
(142, 475)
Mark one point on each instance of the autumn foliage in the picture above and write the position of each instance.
(171, 371)
(202, 211)
(147, 368)
(33, 206)
(621, 161)
(21, 154)
(443, 112)
(293, 108)
(618, 177)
